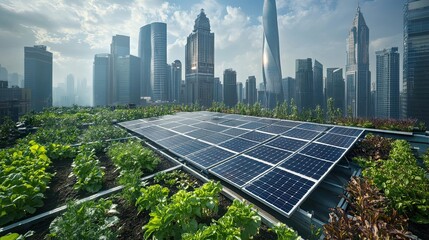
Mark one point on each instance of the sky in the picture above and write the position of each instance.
(76, 30)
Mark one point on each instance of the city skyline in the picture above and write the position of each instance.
(74, 46)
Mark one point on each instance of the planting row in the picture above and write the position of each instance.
(184, 209)
(32, 174)
(391, 200)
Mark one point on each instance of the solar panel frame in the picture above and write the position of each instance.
(247, 168)
(286, 123)
(313, 127)
(288, 144)
(208, 157)
(346, 131)
(261, 184)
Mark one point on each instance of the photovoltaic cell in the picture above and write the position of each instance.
(173, 141)
(129, 123)
(256, 136)
(216, 120)
(253, 125)
(336, 140)
(188, 121)
(250, 118)
(328, 153)
(312, 126)
(216, 138)
(233, 123)
(210, 126)
(268, 121)
(268, 154)
(209, 157)
(139, 125)
(155, 133)
(285, 123)
(286, 143)
(274, 129)
(199, 133)
(346, 131)
(301, 134)
(238, 144)
(170, 125)
(280, 189)
(184, 129)
(189, 147)
(308, 166)
(239, 170)
(235, 132)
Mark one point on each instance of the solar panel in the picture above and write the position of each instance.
(233, 123)
(239, 170)
(250, 118)
(155, 133)
(286, 143)
(280, 190)
(173, 141)
(235, 132)
(268, 121)
(253, 125)
(170, 125)
(238, 144)
(301, 134)
(209, 157)
(216, 120)
(326, 152)
(184, 129)
(256, 136)
(286, 123)
(314, 127)
(199, 133)
(189, 147)
(274, 129)
(346, 131)
(129, 123)
(336, 140)
(268, 154)
(216, 138)
(188, 121)
(308, 166)
(139, 125)
(210, 126)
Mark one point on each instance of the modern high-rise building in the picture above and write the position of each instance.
(289, 88)
(101, 71)
(304, 84)
(128, 77)
(271, 68)
(119, 47)
(217, 90)
(38, 76)
(176, 80)
(416, 60)
(199, 62)
(251, 92)
(153, 54)
(70, 90)
(335, 88)
(3, 74)
(239, 92)
(318, 84)
(387, 83)
(358, 76)
(230, 88)
(14, 102)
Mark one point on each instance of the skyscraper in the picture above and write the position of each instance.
(387, 83)
(101, 71)
(416, 60)
(119, 47)
(128, 77)
(176, 79)
(251, 92)
(153, 54)
(304, 83)
(230, 87)
(271, 68)
(3, 74)
(239, 92)
(335, 87)
(38, 76)
(318, 84)
(199, 62)
(289, 89)
(217, 90)
(358, 76)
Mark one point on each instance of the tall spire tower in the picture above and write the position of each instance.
(271, 68)
(358, 76)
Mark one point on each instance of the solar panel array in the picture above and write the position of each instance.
(277, 162)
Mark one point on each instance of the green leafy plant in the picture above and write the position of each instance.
(132, 184)
(98, 134)
(177, 179)
(403, 182)
(23, 180)
(60, 152)
(86, 168)
(151, 197)
(88, 220)
(284, 232)
(241, 221)
(181, 213)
